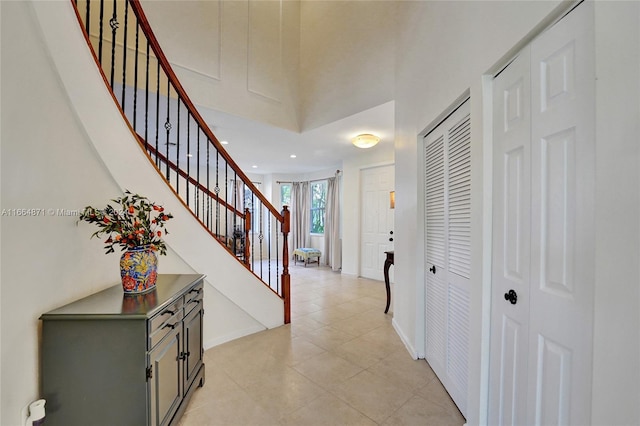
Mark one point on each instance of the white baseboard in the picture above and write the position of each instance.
(405, 340)
(236, 334)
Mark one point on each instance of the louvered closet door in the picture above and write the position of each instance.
(448, 251)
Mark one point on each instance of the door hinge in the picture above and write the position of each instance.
(149, 372)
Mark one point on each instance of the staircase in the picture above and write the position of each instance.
(186, 154)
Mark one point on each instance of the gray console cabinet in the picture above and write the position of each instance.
(114, 359)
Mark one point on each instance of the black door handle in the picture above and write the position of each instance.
(390, 232)
(511, 296)
(433, 269)
(391, 239)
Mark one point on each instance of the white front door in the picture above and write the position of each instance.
(543, 237)
(377, 220)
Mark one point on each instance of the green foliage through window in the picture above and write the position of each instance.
(318, 203)
(285, 194)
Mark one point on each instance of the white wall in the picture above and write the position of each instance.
(616, 355)
(58, 153)
(338, 78)
(239, 57)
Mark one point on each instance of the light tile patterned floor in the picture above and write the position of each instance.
(339, 362)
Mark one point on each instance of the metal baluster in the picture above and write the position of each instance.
(146, 102)
(198, 174)
(269, 249)
(135, 80)
(188, 153)
(208, 196)
(167, 126)
(178, 150)
(226, 199)
(158, 114)
(101, 31)
(124, 53)
(88, 17)
(217, 192)
(261, 236)
(113, 23)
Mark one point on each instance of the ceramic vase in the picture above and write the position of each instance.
(139, 269)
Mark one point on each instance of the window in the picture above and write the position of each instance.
(285, 194)
(318, 203)
(252, 202)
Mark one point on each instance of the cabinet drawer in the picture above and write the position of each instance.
(163, 323)
(193, 299)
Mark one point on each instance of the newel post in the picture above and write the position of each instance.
(286, 278)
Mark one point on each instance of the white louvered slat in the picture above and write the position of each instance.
(435, 203)
(459, 179)
(436, 304)
(458, 337)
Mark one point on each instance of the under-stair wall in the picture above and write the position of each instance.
(64, 146)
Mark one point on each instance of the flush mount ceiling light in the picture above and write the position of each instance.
(365, 140)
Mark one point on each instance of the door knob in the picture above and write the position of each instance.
(511, 296)
(390, 232)
(433, 269)
(391, 239)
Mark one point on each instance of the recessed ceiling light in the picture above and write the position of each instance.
(293, 156)
(254, 167)
(224, 142)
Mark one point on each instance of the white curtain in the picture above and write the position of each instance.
(300, 215)
(332, 241)
(235, 198)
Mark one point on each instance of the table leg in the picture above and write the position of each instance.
(387, 265)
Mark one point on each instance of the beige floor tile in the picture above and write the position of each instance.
(330, 315)
(222, 402)
(419, 411)
(296, 351)
(355, 325)
(327, 370)
(403, 371)
(340, 362)
(365, 352)
(372, 395)
(281, 393)
(436, 393)
(304, 324)
(328, 338)
(327, 411)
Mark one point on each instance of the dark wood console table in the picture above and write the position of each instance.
(387, 263)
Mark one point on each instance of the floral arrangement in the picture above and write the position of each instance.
(133, 222)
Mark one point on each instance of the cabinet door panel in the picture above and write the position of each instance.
(166, 380)
(193, 345)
